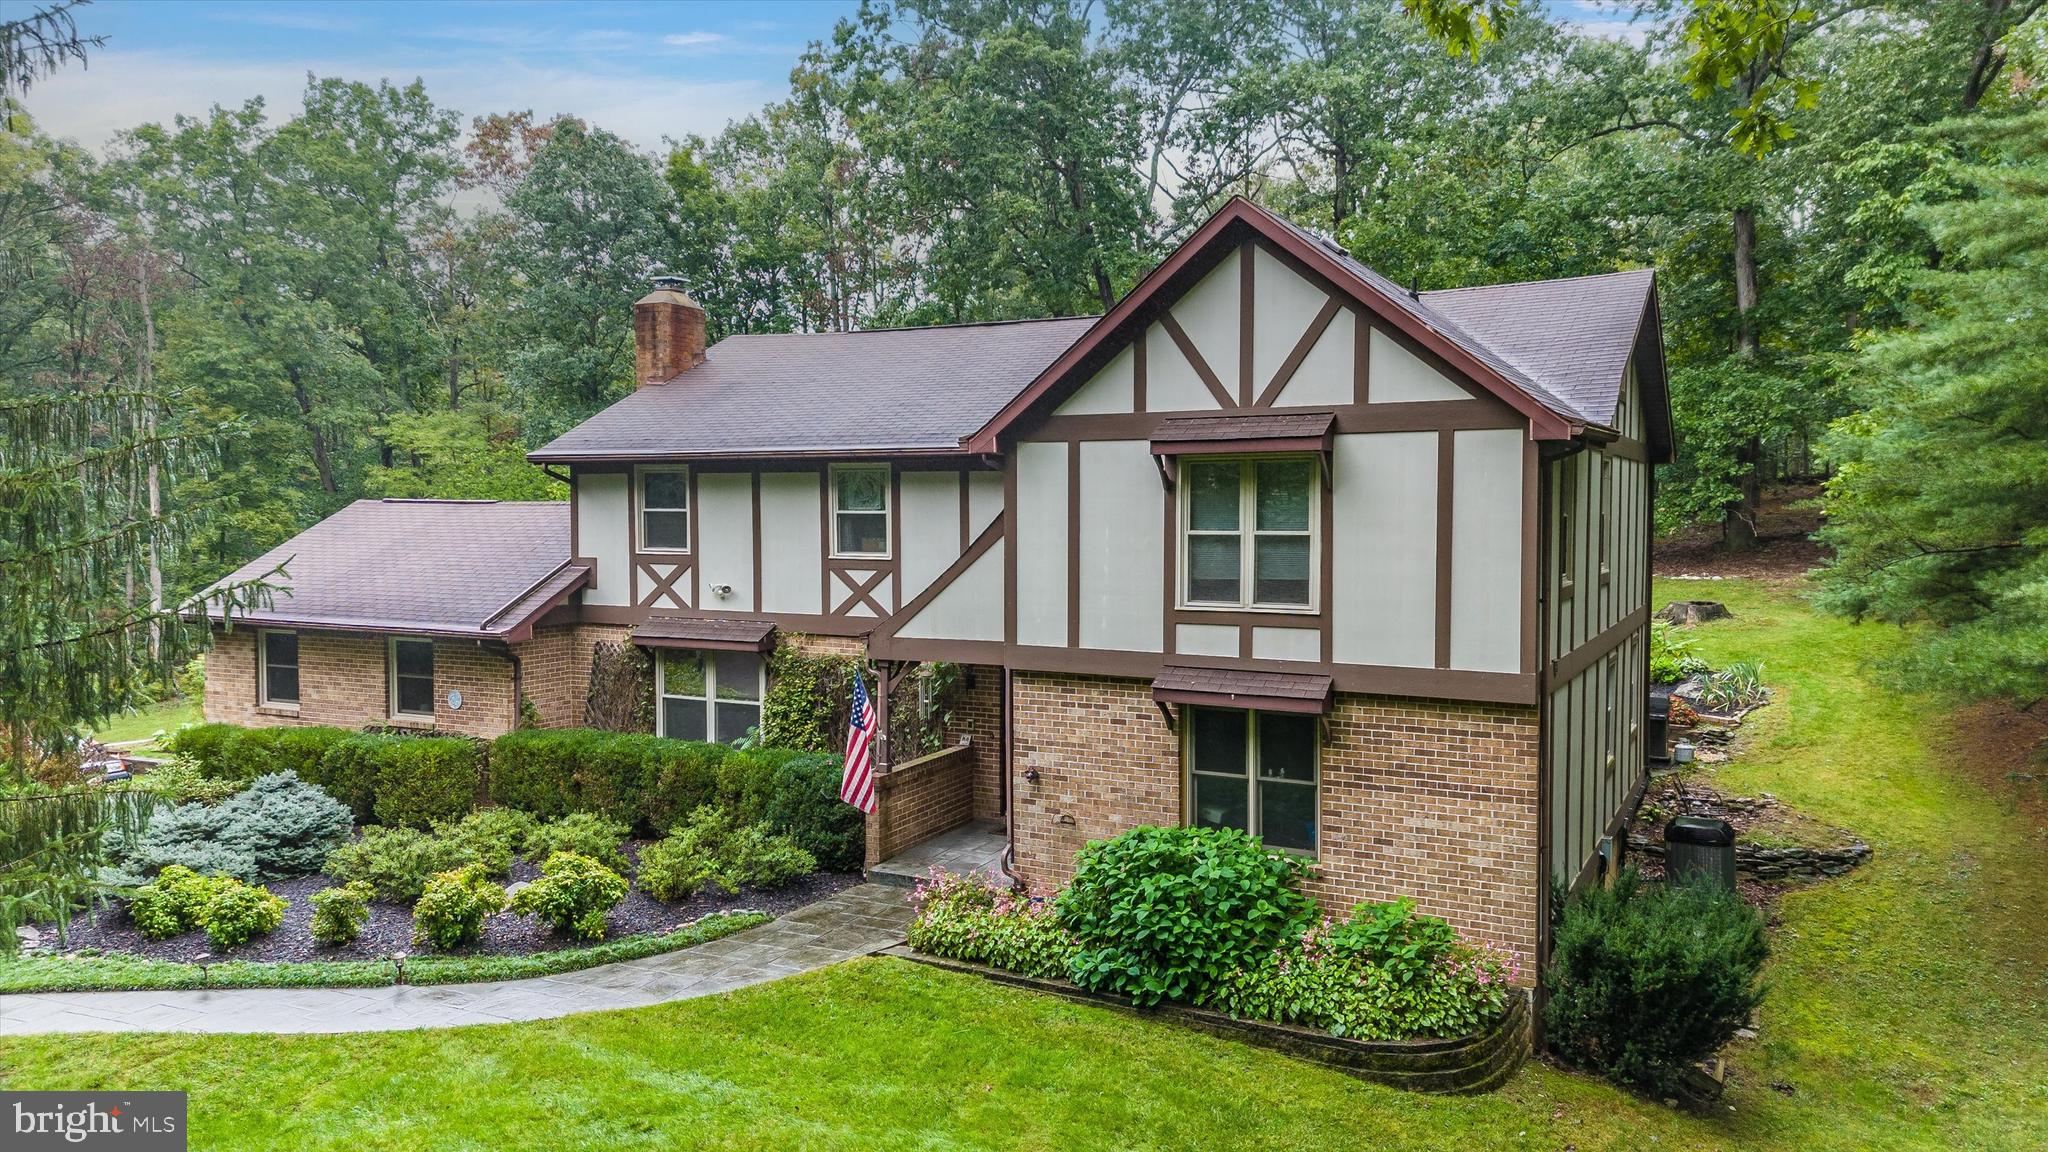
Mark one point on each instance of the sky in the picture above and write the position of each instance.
(643, 70)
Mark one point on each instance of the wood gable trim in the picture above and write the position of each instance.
(1229, 230)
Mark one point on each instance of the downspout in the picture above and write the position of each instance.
(1004, 744)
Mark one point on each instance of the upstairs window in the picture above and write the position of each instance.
(412, 677)
(860, 511)
(664, 510)
(1606, 503)
(280, 672)
(709, 695)
(1249, 538)
(1256, 771)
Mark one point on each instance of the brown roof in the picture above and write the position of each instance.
(704, 632)
(439, 567)
(1573, 337)
(1238, 688)
(895, 390)
(1293, 430)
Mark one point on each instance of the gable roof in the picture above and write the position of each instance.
(884, 392)
(1560, 372)
(435, 567)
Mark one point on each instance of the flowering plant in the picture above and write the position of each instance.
(967, 917)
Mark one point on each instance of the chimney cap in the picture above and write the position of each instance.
(669, 290)
(668, 283)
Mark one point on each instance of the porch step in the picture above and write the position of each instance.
(972, 847)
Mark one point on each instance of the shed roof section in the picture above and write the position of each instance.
(705, 632)
(894, 390)
(1241, 688)
(436, 567)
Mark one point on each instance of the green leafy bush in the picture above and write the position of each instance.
(171, 903)
(1671, 658)
(965, 917)
(712, 849)
(534, 770)
(340, 912)
(1644, 980)
(490, 837)
(574, 893)
(278, 826)
(348, 770)
(421, 779)
(1167, 913)
(608, 776)
(681, 777)
(454, 906)
(179, 781)
(395, 862)
(1386, 973)
(202, 744)
(304, 750)
(236, 912)
(584, 833)
(804, 804)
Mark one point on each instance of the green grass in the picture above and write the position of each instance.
(145, 722)
(1908, 1010)
(115, 973)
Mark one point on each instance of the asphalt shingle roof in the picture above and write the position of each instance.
(431, 566)
(888, 390)
(1574, 337)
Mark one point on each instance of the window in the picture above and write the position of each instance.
(709, 695)
(1255, 771)
(280, 671)
(412, 677)
(1249, 539)
(860, 511)
(1606, 502)
(1567, 516)
(664, 510)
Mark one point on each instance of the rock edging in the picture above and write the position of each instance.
(1462, 1065)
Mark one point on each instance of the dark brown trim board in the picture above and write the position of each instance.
(1426, 683)
(1194, 356)
(823, 625)
(1568, 666)
(989, 538)
(1446, 446)
(1414, 416)
(1245, 301)
(1073, 545)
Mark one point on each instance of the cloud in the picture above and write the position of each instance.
(692, 39)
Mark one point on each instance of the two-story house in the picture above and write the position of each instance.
(1275, 544)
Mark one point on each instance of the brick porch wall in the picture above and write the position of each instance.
(343, 681)
(555, 665)
(1433, 800)
(920, 799)
(978, 715)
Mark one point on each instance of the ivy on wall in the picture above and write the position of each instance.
(807, 700)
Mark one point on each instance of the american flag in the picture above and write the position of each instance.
(858, 786)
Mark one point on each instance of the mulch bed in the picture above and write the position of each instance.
(390, 926)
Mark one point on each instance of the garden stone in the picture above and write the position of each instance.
(29, 937)
(1689, 612)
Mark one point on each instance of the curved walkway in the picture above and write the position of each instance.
(855, 922)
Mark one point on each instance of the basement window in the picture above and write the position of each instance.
(1256, 771)
(279, 680)
(709, 695)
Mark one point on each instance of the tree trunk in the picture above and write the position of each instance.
(321, 464)
(1745, 281)
(145, 381)
(1738, 521)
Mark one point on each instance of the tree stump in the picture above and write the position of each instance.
(1689, 612)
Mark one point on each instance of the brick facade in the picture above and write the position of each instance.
(920, 799)
(554, 668)
(1432, 800)
(344, 681)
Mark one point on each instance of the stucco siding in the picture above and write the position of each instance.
(1397, 375)
(792, 569)
(1486, 550)
(725, 552)
(1122, 549)
(1041, 544)
(931, 527)
(603, 514)
(1383, 603)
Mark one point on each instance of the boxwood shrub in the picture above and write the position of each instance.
(534, 770)
(681, 777)
(202, 745)
(421, 779)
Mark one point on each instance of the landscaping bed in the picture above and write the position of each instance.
(1775, 844)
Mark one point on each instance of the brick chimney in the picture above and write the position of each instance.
(668, 333)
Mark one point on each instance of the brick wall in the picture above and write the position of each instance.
(555, 668)
(1431, 800)
(920, 799)
(978, 715)
(344, 682)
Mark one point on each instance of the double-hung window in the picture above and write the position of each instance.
(1256, 771)
(860, 511)
(709, 695)
(1250, 538)
(664, 510)
(280, 670)
(412, 677)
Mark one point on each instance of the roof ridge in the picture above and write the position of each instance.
(919, 327)
(1548, 280)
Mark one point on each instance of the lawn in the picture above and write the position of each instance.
(1907, 1010)
(145, 722)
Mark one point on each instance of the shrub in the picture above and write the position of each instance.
(304, 751)
(574, 893)
(1671, 658)
(179, 781)
(804, 803)
(395, 862)
(583, 833)
(490, 837)
(340, 912)
(1644, 981)
(535, 770)
(967, 918)
(681, 776)
(1166, 913)
(421, 779)
(1384, 974)
(607, 775)
(454, 906)
(202, 744)
(348, 770)
(237, 912)
(712, 849)
(172, 902)
(278, 826)
(190, 680)
(1735, 687)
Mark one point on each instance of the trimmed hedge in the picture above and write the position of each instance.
(421, 779)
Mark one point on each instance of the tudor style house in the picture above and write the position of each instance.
(1275, 544)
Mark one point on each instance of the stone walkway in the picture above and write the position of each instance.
(855, 922)
(974, 847)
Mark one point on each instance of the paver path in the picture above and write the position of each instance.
(855, 922)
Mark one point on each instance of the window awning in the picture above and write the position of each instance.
(1239, 688)
(706, 632)
(1259, 432)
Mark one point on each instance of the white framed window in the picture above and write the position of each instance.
(411, 667)
(1258, 771)
(663, 495)
(1248, 532)
(860, 511)
(278, 668)
(708, 695)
